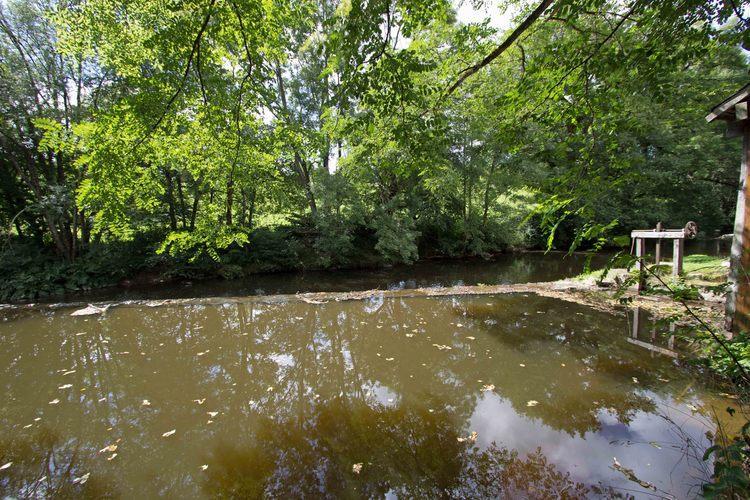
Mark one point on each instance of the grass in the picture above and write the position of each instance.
(697, 268)
(705, 268)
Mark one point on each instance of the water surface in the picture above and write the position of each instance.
(512, 395)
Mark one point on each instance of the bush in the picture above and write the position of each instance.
(396, 235)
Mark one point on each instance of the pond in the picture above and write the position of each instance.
(473, 396)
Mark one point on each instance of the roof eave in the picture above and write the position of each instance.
(725, 110)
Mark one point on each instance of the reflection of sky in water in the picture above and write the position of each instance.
(646, 444)
(381, 394)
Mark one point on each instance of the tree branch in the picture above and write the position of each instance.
(520, 29)
(194, 49)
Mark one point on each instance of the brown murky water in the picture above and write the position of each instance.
(513, 395)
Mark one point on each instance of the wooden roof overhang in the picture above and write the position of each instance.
(734, 109)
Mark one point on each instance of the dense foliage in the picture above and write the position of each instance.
(232, 136)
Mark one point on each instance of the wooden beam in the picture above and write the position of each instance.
(740, 111)
(734, 129)
(653, 348)
(679, 247)
(636, 322)
(651, 234)
(738, 296)
(640, 252)
(657, 250)
(721, 110)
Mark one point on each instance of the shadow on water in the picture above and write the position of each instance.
(286, 399)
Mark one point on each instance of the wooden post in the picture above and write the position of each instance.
(679, 247)
(640, 250)
(657, 251)
(738, 296)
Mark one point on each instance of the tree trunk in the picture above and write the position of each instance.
(230, 199)
(486, 206)
(170, 200)
(251, 211)
(183, 215)
(299, 164)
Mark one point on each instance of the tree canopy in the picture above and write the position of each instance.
(257, 134)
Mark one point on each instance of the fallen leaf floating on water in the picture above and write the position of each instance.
(82, 479)
(532, 403)
(109, 449)
(470, 338)
(146, 402)
(6, 466)
(357, 468)
(199, 401)
(443, 347)
(522, 365)
(169, 433)
(90, 310)
(204, 352)
(204, 467)
(389, 359)
(69, 372)
(212, 414)
(54, 401)
(66, 386)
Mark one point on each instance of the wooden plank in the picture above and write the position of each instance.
(651, 234)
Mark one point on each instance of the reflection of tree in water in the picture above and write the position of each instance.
(408, 451)
(44, 465)
(294, 386)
